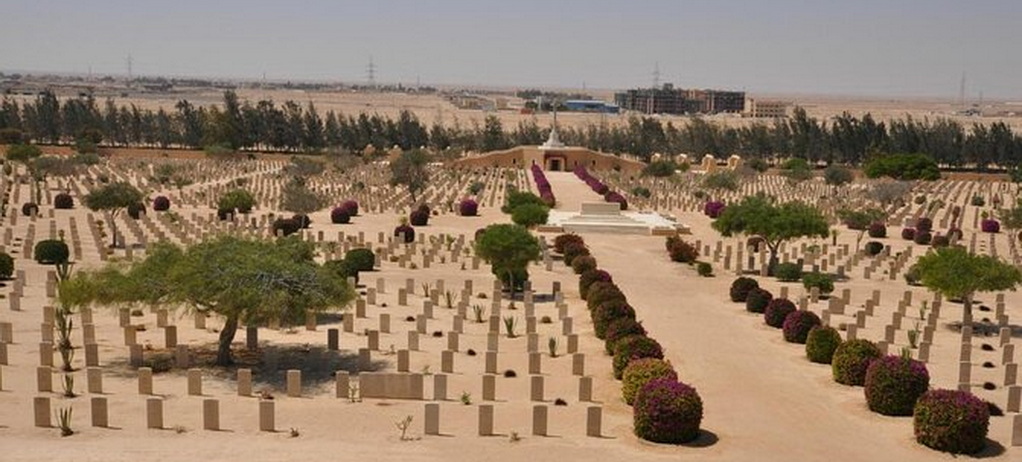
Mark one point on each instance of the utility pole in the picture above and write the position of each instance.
(130, 62)
(371, 72)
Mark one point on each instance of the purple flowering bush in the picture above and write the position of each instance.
(586, 279)
(351, 206)
(924, 225)
(63, 201)
(990, 225)
(619, 329)
(339, 215)
(642, 371)
(877, 230)
(614, 196)
(713, 209)
(951, 421)
(546, 193)
(468, 208)
(894, 384)
(602, 291)
(610, 311)
(667, 411)
(777, 311)
(573, 250)
(634, 347)
(908, 234)
(161, 204)
(563, 240)
(797, 325)
(408, 232)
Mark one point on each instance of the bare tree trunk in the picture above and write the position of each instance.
(223, 355)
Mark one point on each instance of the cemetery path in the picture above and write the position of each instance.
(762, 398)
(570, 191)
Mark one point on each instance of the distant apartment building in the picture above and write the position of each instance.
(767, 109)
(668, 100)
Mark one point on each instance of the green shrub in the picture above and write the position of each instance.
(573, 250)
(361, 259)
(757, 300)
(788, 272)
(619, 329)
(517, 199)
(634, 347)
(530, 215)
(601, 292)
(951, 421)
(741, 287)
(667, 411)
(874, 248)
(821, 343)
(851, 359)
(837, 175)
(704, 269)
(342, 268)
(642, 371)
(903, 167)
(894, 384)
(517, 275)
(583, 263)
(816, 279)
(608, 312)
(659, 168)
(51, 251)
(726, 180)
(978, 201)
(590, 277)
(6, 266)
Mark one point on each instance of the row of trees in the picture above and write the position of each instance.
(292, 127)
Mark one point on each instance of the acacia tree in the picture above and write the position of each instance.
(957, 274)
(243, 280)
(759, 216)
(508, 249)
(113, 198)
(409, 169)
(860, 220)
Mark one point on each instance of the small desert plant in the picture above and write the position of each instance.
(353, 396)
(510, 322)
(552, 346)
(514, 438)
(466, 398)
(64, 421)
(403, 425)
(913, 337)
(294, 433)
(425, 289)
(449, 299)
(477, 310)
(69, 386)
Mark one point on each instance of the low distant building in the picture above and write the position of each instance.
(767, 109)
(584, 105)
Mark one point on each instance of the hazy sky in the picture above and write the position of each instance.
(865, 47)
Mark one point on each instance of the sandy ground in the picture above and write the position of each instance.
(763, 401)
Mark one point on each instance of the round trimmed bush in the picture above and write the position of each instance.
(713, 209)
(530, 215)
(161, 204)
(468, 208)
(821, 343)
(339, 216)
(757, 300)
(574, 250)
(704, 269)
(619, 329)
(63, 201)
(741, 287)
(667, 411)
(51, 251)
(419, 217)
(642, 371)
(777, 311)
(924, 225)
(797, 325)
(29, 209)
(908, 234)
(923, 238)
(583, 263)
(940, 241)
(990, 225)
(287, 226)
(601, 291)
(361, 259)
(819, 280)
(634, 347)
(894, 384)
(6, 265)
(788, 272)
(610, 311)
(681, 251)
(564, 239)
(951, 421)
(351, 206)
(874, 248)
(851, 359)
(877, 231)
(587, 279)
(407, 231)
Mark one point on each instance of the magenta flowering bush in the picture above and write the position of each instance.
(63, 201)
(351, 207)
(851, 359)
(877, 230)
(407, 231)
(339, 215)
(713, 209)
(894, 384)
(419, 216)
(908, 234)
(990, 225)
(634, 347)
(642, 371)
(667, 411)
(161, 204)
(546, 193)
(610, 311)
(777, 311)
(924, 224)
(951, 421)
(468, 208)
(588, 278)
(616, 197)
(797, 325)
(619, 329)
